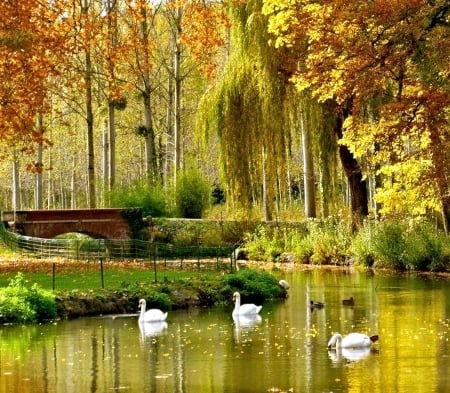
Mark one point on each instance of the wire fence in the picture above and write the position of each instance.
(120, 250)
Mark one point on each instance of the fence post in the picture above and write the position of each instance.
(53, 276)
(101, 272)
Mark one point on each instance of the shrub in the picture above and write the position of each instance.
(152, 200)
(19, 304)
(330, 240)
(192, 194)
(360, 247)
(253, 285)
(389, 245)
(425, 248)
(263, 244)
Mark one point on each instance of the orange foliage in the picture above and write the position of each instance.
(31, 43)
(388, 62)
(204, 28)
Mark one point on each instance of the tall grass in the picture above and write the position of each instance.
(394, 244)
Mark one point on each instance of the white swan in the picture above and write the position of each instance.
(244, 309)
(284, 284)
(152, 315)
(353, 340)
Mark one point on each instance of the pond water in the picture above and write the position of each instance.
(285, 351)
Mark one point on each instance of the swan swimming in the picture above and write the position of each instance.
(152, 315)
(352, 340)
(284, 284)
(244, 309)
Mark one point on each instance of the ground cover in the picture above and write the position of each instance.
(83, 288)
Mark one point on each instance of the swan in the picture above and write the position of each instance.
(152, 315)
(244, 309)
(353, 340)
(284, 284)
(348, 302)
(313, 304)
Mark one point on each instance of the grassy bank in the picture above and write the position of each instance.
(26, 293)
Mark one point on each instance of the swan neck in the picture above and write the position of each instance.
(141, 316)
(338, 341)
(237, 304)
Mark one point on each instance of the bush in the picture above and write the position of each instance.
(330, 241)
(19, 304)
(389, 245)
(263, 244)
(360, 247)
(152, 200)
(192, 194)
(426, 249)
(253, 285)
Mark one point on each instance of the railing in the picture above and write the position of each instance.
(117, 249)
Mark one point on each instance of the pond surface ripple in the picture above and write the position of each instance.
(206, 350)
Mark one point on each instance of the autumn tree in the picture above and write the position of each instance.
(32, 45)
(385, 67)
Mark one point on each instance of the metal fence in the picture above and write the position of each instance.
(118, 249)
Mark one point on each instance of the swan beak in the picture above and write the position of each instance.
(374, 338)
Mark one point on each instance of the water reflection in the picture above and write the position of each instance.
(342, 355)
(244, 324)
(283, 349)
(152, 329)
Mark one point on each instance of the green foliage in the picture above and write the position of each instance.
(152, 201)
(158, 299)
(360, 247)
(253, 285)
(192, 194)
(264, 244)
(19, 304)
(388, 244)
(426, 249)
(330, 241)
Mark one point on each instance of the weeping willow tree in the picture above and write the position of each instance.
(246, 108)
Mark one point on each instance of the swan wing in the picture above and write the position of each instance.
(248, 309)
(356, 340)
(154, 315)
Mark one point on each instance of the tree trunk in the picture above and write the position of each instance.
(89, 120)
(308, 169)
(177, 94)
(265, 198)
(169, 156)
(150, 158)
(358, 189)
(39, 187)
(15, 183)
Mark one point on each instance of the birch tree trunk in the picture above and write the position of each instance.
(308, 169)
(39, 189)
(89, 116)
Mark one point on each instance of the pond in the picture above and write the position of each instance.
(205, 350)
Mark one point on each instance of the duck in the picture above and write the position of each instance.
(313, 304)
(348, 302)
(152, 315)
(244, 309)
(352, 340)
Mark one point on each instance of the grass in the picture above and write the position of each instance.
(63, 275)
